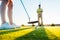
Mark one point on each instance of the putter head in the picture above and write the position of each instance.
(32, 22)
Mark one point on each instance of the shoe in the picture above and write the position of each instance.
(4, 25)
(14, 26)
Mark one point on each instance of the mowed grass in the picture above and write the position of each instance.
(31, 33)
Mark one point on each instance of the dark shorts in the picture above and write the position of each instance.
(39, 15)
(4, 0)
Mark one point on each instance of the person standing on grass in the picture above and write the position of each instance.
(9, 4)
(39, 12)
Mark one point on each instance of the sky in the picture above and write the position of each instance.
(51, 11)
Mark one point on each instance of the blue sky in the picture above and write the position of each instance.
(51, 11)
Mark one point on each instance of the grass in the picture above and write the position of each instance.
(30, 33)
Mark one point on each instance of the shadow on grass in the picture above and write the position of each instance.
(38, 34)
(12, 30)
(54, 37)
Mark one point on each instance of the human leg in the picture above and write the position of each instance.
(3, 8)
(39, 20)
(10, 7)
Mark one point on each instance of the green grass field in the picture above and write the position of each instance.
(30, 33)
